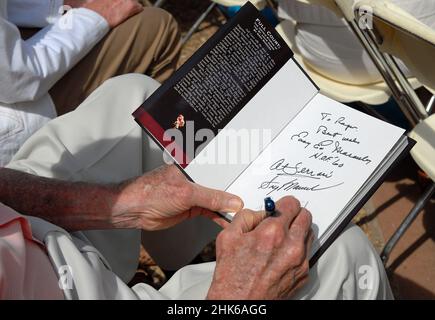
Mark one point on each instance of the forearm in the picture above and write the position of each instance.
(71, 205)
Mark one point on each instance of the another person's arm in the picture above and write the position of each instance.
(30, 68)
(40, 13)
(156, 200)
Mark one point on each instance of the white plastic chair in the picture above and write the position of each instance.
(402, 90)
(370, 94)
(397, 33)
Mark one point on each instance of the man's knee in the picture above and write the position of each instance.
(138, 86)
(135, 82)
(353, 240)
(156, 25)
(352, 269)
(353, 249)
(161, 18)
(162, 32)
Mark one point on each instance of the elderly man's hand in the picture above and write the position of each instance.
(114, 11)
(164, 197)
(263, 258)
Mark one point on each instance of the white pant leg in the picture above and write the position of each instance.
(349, 269)
(101, 142)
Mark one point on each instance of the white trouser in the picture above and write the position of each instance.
(100, 142)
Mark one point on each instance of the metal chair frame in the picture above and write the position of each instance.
(410, 105)
(401, 90)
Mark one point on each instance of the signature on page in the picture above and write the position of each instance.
(322, 156)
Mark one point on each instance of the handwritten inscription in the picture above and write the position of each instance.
(285, 169)
(339, 149)
(330, 145)
(325, 157)
(342, 122)
(338, 132)
(300, 137)
(274, 185)
(324, 130)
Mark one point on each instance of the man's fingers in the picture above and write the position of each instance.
(133, 8)
(215, 200)
(309, 242)
(303, 267)
(215, 217)
(300, 227)
(286, 209)
(246, 220)
(299, 284)
(136, 7)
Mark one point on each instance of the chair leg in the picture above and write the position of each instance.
(198, 22)
(407, 222)
(366, 37)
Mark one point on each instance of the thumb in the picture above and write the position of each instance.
(215, 200)
(247, 220)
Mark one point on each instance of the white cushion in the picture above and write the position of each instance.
(424, 151)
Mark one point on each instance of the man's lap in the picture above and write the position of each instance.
(91, 144)
(100, 142)
(349, 269)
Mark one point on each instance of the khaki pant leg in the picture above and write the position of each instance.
(147, 43)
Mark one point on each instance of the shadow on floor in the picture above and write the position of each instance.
(406, 169)
(429, 226)
(406, 289)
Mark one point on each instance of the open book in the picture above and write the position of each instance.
(242, 116)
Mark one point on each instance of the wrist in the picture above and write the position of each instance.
(127, 211)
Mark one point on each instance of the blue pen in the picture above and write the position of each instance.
(269, 206)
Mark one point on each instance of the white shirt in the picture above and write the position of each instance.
(28, 69)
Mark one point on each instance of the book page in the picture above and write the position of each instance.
(217, 156)
(209, 91)
(322, 157)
